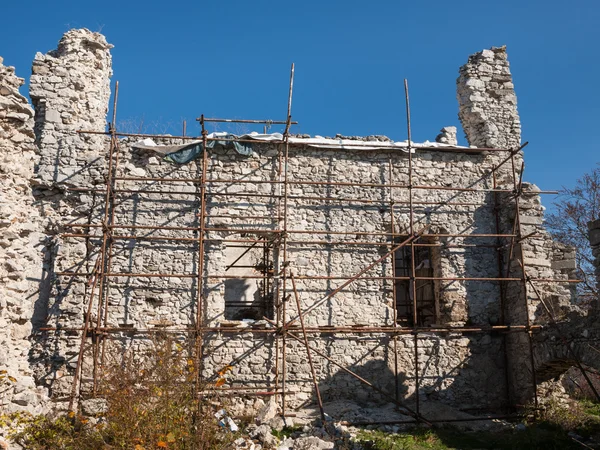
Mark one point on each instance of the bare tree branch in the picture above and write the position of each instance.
(576, 207)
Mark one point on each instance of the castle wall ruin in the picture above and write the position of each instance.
(343, 210)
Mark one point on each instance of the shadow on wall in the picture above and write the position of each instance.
(456, 371)
(466, 370)
(472, 370)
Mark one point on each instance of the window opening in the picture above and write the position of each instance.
(425, 289)
(250, 298)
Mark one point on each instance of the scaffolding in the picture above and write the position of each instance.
(278, 273)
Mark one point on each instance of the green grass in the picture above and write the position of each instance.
(417, 440)
(286, 432)
(590, 407)
(534, 437)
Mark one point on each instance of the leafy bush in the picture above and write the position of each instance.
(153, 402)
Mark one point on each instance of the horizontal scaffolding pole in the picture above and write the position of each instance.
(290, 242)
(290, 197)
(265, 122)
(353, 329)
(162, 179)
(261, 231)
(175, 275)
(276, 233)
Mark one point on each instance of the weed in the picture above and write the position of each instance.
(153, 402)
(286, 432)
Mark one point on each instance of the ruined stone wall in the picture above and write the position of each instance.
(70, 91)
(488, 112)
(21, 245)
(487, 101)
(457, 369)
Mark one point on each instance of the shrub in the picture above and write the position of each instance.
(153, 402)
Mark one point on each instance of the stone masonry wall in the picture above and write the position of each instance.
(488, 104)
(142, 303)
(488, 112)
(21, 244)
(70, 91)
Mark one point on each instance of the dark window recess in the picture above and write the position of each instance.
(247, 298)
(426, 292)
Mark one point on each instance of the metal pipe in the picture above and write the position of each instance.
(105, 250)
(315, 330)
(308, 353)
(88, 314)
(290, 242)
(200, 273)
(292, 197)
(286, 136)
(266, 121)
(412, 278)
(518, 189)
(311, 183)
(394, 287)
(316, 277)
(112, 217)
(502, 287)
(266, 230)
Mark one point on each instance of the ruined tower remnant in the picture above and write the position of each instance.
(487, 101)
(70, 90)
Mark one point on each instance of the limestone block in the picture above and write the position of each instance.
(53, 115)
(564, 264)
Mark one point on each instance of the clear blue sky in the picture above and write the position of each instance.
(177, 60)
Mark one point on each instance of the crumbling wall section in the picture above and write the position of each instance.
(487, 101)
(70, 90)
(488, 112)
(21, 244)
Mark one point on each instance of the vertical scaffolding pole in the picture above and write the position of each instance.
(518, 187)
(286, 148)
(112, 222)
(107, 240)
(411, 226)
(200, 275)
(75, 391)
(501, 284)
(394, 298)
